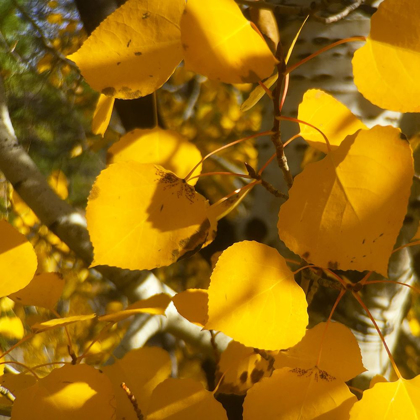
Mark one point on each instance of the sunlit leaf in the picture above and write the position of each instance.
(141, 216)
(221, 44)
(292, 394)
(162, 147)
(72, 392)
(398, 400)
(141, 370)
(155, 305)
(345, 211)
(386, 67)
(339, 355)
(133, 51)
(59, 183)
(258, 92)
(44, 290)
(14, 250)
(54, 323)
(254, 298)
(328, 115)
(192, 304)
(242, 368)
(102, 114)
(183, 399)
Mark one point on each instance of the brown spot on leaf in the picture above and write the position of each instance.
(109, 91)
(256, 375)
(325, 376)
(119, 62)
(305, 256)
(146, 15)
(137, 53)
(299, 371)
(128, 43)
(333, 265)
(94, 193)
(243, 377)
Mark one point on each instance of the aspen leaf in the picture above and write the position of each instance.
(155, 305)
(328, 115)
(386, 67)
(340, 354)
(398, 400)
(60, 322)
(142, 370)
(183, 399)
(258, 92)
(15, 383)
(242, 368)
(14, 250)
(162, 147)
(71, 392)
(296, 394)
(192, 304)
(254, 298)
(59, 183)
(221, 44)
(141, 216)
(345, 211)
(135, 50)
(44, 290)
(102, 114)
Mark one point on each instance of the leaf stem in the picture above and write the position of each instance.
(328, 47)
(414, 288)
(220, 173)
(415, 243)
(391, 359)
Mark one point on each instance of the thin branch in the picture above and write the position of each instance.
(341, 14)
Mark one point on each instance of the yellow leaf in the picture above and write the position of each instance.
(254, 298)
(221, 44)
(134, 51)
(142, 370)
(340, 353)
(56, 18)
(18, 260)
(386, 67)
(161, 147)
(72, 392)
(44, 290)
(345, 211)
(52, 4)
(11, 328)
(60, 322)
(377, 379)
(141, 216)
(398, 400)
(192, 304)
(25, 213)
(15, 383)
(242, 368)
(258, 93)
(183, 399)
(59, 183)
(292, 394)
(328, 115)
(102, 114)
(155, 305)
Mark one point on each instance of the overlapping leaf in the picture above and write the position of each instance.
(141, 370)
(242, 368)
(183, 399)
(60, 322)
(102, 114)
(71, 392)
(221, 44)
(386, 67)
(192, 304)
(161, 147)
(338, 348)
(328, 115)
(254, 298)
(292, 394)
(135, 50)
(345, 212)
(14, 250)
(44, 290)
(141, 216)
(398, 400)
